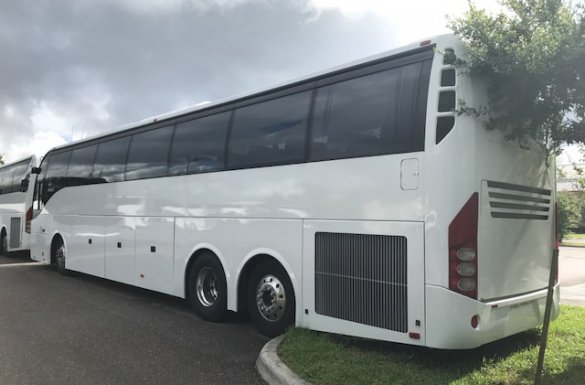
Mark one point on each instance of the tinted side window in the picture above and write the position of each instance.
(81, 165)
(20, 170)
(380, 113)
(148, 154)
(199, 145)
(110, 161)
(271, 132)
(6, 176)
(56, 177)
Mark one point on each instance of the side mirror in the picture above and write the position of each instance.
(35, 170)
(24, 185)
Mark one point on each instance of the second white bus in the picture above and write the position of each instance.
(354, 201)
(16, 206)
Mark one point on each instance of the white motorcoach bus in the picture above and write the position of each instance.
(354, 201)
(16, 206)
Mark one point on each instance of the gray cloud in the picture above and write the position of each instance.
(84, 67)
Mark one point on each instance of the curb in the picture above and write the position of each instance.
(271, 368)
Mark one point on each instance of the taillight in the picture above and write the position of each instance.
(463, 249)
(28, 220)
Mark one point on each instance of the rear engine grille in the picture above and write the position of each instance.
(362, 278)
(512, 201)
(14, 233)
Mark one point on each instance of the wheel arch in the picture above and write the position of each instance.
(54, 243)
(4, 234)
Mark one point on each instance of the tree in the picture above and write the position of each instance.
(1, 159)
(531, 56)
(570, 210)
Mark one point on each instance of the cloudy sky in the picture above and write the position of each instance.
(74, 68)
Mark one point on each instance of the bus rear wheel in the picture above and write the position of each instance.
(3, 244)
(207, 287)
(271, 299)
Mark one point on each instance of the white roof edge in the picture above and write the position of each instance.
(444, 39)
(31, 157)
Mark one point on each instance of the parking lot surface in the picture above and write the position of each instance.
(85, 330)
(572, 275)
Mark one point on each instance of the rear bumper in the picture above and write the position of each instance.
(448, 317)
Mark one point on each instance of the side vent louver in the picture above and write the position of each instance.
(511, 201)
(362, 278)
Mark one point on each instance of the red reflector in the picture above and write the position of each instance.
(414, 336)
(426, 42)
(475, 321)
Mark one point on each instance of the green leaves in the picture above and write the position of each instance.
(532, 58)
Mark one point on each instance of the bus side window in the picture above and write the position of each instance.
(110, 161)
(19, 175)
(270, 133)
(81, 166)
(199, 145)
(148, 153)
(374, 114)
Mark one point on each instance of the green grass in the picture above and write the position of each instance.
(322, 358)
(575, 236)
(573, 240)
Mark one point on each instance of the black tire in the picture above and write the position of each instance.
(3, 244)
(271, 299)
(60, 257)
(207, 287)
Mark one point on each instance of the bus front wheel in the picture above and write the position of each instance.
(3, 244)
(207, 287)
(60, 257)
(271, 299)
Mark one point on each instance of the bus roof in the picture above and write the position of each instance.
(29, 158)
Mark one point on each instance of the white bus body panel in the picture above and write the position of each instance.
(155, 253)
(82, 255)
(120, 249)
(514, 254)
(449, 317)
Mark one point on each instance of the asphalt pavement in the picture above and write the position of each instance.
(572, 275)
(85, 330)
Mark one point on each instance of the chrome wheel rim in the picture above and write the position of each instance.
(60, 257)
(206, 287)
(271, 298)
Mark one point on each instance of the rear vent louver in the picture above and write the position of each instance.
(362, 278)
(511, 201)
